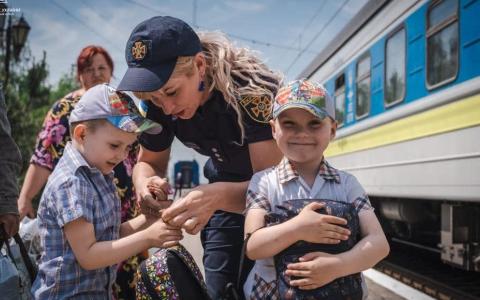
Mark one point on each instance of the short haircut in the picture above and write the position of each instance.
(92, 125)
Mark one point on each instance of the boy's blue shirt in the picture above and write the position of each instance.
(75, 190)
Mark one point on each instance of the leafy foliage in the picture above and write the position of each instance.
(66, 84)
(29, 97)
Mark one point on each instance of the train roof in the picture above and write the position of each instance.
(368, 11)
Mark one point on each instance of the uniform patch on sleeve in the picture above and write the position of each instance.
(259, 108)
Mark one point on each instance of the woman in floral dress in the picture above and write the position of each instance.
(94, 66)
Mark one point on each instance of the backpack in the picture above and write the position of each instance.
(348, 287)
(170, 273)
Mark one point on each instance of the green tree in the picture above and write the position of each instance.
(27, 97)
(66, 84)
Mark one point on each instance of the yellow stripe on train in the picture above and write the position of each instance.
(457, 115)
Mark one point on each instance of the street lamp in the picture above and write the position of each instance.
(15, 34)
(19, 36)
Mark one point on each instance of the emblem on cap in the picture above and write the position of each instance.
(139, 50)
(258, 108)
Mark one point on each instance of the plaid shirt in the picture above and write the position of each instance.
(283, 183)
(272, 186)
(74, 190)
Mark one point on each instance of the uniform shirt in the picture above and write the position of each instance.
(213, 131)
(271, 187)
(75, 190)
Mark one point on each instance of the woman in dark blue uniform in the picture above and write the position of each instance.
(216, 99)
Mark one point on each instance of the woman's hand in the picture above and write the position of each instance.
(314, 270)
(193, 211)
(153, 196)
(315, 227)
(25, 208)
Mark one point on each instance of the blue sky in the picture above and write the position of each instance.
(62, 28)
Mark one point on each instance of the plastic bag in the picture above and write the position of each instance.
(30, 235)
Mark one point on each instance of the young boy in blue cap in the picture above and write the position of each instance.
(303, 125)
(79, 214)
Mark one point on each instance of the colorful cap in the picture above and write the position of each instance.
(152, 51)
(306, 95)
(104, 102)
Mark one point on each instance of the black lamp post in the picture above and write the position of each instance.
(15, 35)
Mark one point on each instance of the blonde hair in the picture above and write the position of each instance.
(234, 71)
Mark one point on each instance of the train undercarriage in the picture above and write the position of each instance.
(451, 229)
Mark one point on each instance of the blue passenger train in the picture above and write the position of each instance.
(405, 75)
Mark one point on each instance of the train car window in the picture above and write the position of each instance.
(363, 87)
(395, 53)
(340, 99)
(442, 42)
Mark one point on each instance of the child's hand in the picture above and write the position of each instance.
(163, 235)
(315, 227)
(314, 270)
(152, 196)
(158, 187)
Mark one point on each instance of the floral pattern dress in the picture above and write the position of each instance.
(51, 142)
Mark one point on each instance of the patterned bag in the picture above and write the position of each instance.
(170, 273)
(348, 287)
